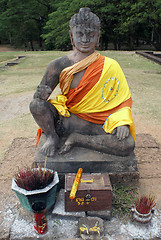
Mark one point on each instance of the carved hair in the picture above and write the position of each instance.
(85, 17)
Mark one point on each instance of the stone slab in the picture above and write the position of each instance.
(91, 161)
(150, 55)
(67, 228)
(101, 214)
(150, 170)
(91, 228)
(148, 155)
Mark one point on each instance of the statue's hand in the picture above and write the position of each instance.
(43, 92)
(121, 132)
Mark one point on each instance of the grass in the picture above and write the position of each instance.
(27, 74)
(123, 200)
(5, 56)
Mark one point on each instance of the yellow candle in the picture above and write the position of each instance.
(76, 184)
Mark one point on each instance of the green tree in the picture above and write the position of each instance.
(56, 31)
(57, 27)
(23, 20)
(141, 21)
(123, 23)
(3, 21)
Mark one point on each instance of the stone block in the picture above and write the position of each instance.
(106, 214)
(91, 228)
(91, 162)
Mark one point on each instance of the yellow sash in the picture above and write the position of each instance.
(120, 118)
(109, 92)
(60, 104)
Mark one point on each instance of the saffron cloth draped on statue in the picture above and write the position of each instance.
(102, 96)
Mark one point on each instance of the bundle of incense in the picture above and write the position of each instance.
(76, 184)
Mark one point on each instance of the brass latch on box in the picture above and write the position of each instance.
(87, 181)
(88, 196)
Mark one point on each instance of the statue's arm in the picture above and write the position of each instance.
(50, 79)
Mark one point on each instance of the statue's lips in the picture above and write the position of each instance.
(85, 46)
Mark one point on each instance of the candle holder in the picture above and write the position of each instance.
(41, 224)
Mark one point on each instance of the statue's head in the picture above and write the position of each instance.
(85, 17)
(84, 30)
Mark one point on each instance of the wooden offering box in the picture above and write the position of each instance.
(94, 193)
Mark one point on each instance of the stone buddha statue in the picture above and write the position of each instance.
(94, 107)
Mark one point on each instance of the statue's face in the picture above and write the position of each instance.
(85, 38)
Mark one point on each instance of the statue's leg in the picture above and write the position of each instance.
(90, 135)
(107, 143)
(46, 116)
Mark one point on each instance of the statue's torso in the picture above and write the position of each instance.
(76, 79)
(69, 61)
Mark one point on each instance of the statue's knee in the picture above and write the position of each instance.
(37, 106)
(130, 143)
(32, 105)
(127, 146)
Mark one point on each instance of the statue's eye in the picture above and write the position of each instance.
(79, 34)
(92, 35)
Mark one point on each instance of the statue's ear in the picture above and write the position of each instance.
(98, 39)
(71, 37)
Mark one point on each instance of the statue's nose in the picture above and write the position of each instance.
(84, 38)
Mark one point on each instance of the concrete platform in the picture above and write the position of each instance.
(119, 168)
(63, 226)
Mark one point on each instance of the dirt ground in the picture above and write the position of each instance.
(22, 150)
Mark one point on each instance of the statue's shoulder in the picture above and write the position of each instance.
(59, 64)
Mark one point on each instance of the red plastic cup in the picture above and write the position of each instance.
(41, 224)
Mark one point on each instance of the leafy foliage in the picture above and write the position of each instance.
(23, 21)
(141, 21)
(124, 23)
(56, 29)
(34, 178)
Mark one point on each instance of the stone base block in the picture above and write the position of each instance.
(119, 168)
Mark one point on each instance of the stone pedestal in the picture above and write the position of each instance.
(120, 169)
